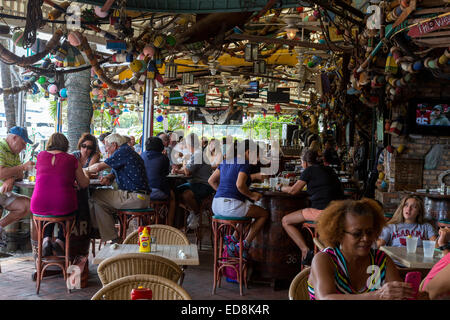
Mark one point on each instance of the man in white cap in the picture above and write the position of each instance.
(11, 169)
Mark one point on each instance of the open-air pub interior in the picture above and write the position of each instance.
(225, 150)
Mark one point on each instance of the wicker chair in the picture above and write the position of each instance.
(298, 290)
(318, 243)
(137, 263)
(162, 288)
(164, 234)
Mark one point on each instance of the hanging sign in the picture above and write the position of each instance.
(430, 25)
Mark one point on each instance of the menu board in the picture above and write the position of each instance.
(408, 174)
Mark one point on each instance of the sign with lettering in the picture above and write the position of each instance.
(430, 25)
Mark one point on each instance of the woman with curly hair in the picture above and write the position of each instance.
(349, 268)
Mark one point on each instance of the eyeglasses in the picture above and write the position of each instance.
(359, 234)
(89, 147)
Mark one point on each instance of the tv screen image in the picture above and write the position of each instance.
(216, 115)
(430, 114)
(253, 90)
(189, 98)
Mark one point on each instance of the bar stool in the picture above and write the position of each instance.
(161, 208)
(222, 226)
(41, 222)
(145, 217)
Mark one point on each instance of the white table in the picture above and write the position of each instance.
(163, 250)
(412, 260)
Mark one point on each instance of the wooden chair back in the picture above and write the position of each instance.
(162, 288)
(298, 290)
(128, 264)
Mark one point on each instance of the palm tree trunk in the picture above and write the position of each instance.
(8, 100)
(79, 106)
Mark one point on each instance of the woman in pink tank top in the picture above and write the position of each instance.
(55, 191)
(437, 281)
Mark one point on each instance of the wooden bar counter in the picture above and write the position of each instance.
(273, 255)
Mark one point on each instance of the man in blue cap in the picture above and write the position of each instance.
(11, 169)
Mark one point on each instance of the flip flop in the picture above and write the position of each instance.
(58, 250)
(47, 248)
(308, 259)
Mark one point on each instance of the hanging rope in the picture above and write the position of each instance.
(10, 58)
(27, 85)
(34, 21)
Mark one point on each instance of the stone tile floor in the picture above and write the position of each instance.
(16, 281)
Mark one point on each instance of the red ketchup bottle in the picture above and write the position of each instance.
(141, 293)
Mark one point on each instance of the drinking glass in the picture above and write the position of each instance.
(428, 248)
(32, 175)
(153, 243)
(273, 183)
(411, 244)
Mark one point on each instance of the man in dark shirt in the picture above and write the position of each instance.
(133, 191)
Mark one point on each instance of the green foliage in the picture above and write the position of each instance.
(102, 122)
(175, 122)
(261, 127)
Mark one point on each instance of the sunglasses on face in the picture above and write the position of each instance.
(358, 235)
(87, 146)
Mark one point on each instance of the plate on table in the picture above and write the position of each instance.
(259, 186)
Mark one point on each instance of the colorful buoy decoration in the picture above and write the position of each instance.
(63, 93)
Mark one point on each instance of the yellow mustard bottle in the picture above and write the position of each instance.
(144, 241)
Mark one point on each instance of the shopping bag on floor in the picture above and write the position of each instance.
(229, 273)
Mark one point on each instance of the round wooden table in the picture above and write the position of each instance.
(274, 256)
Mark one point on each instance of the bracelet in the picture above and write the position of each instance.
(444, 247)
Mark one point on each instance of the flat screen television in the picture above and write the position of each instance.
(189, 98)
(253, 90)
(429, 117)
(280, 96)
(216, 115)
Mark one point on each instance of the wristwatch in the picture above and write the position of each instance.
(445, 247)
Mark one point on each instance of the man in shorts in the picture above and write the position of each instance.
(11, 169)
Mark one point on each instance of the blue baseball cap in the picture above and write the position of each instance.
(21, 132)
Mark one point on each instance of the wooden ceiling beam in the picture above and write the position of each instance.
(293, 43)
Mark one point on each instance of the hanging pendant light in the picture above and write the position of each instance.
(171, 70)
(187, 78)
(251, 52)
(259, 67)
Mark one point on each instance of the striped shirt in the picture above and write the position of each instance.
(342, 277)
(8, 159)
